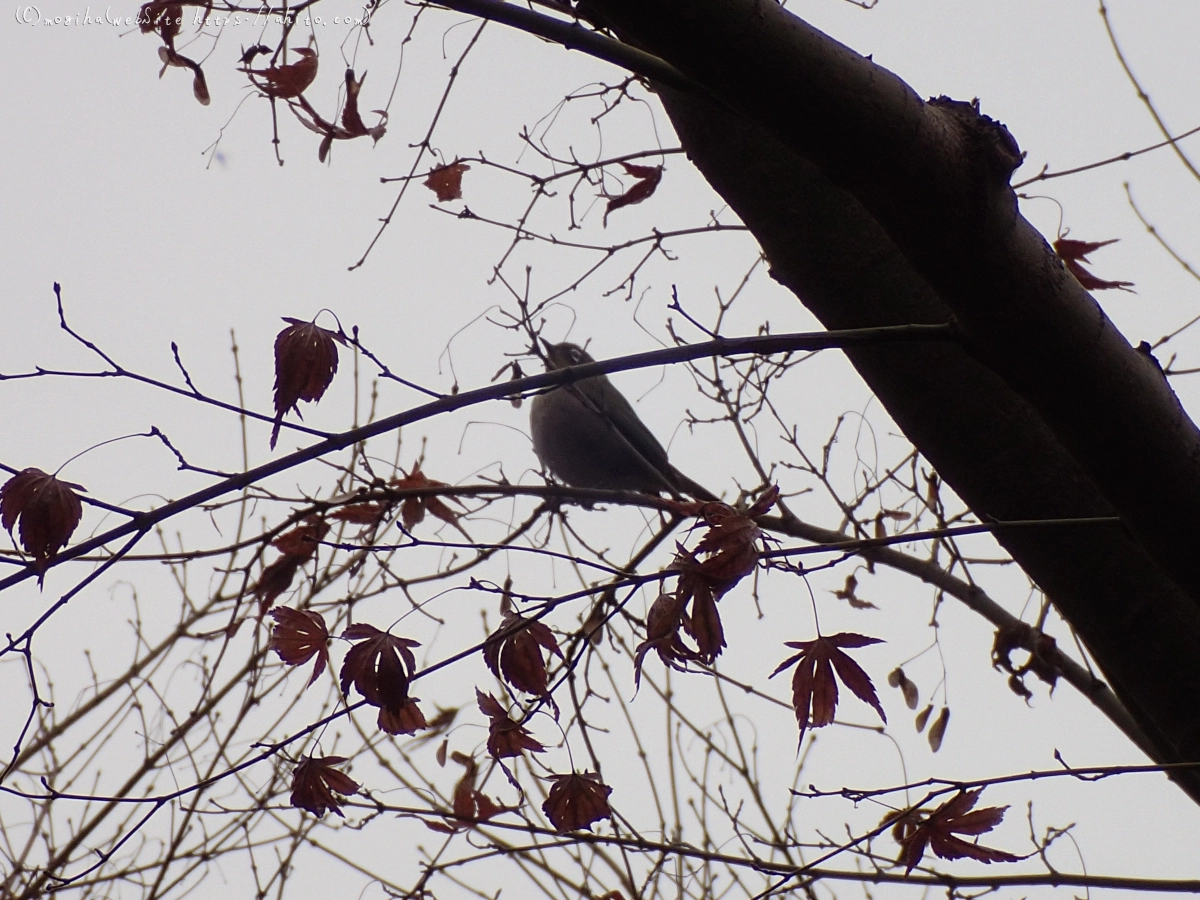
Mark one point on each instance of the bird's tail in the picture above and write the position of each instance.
(685, 485)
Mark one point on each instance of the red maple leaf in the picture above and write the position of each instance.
(913, 831)
(49, 511)
(576, 801)
(313, 782)
(506, 736)
(306, 359)
(815, 690)
(380, 667)
(514, 653)
(1074, 254)
(298, 636)
(647, 181)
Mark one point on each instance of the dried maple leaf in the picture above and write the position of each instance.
(361, 513)
(814, 688)
(313, 782)
(306, 359)
(1074, 254)
(297, 547)
(446, 181)
(287, 81)
(163, 18)
(576, 801)
(514, 653)
(703, 622)
(413, 509)
(408, 719)
(847, 593)
(506, 736)
(1045, 660)
(351, 120)
(48, 509)
(730, 546)
(937, 830)
(647, 181)
(470, 806)
(662, 636)
(298, 636)
(380, 667)
(274, 580)
(302, 541)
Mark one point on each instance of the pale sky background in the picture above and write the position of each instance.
(105, 187)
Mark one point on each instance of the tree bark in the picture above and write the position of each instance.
(876, 208)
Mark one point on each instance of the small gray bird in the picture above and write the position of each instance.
(588, 436)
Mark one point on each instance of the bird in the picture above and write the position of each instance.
(587, 435)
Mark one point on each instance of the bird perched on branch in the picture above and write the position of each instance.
(588, 436)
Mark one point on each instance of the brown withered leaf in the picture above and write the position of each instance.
(297, 546)
(298, 636)
(1045, 660)
(313, 782)
(730, 544)
(163, 18)
(352, 121)
(514, 653)
(576, 801)
(814, 688)
(413, 509)
(302, 541)
(306, 359)
(408, 719)
(380, 667)
(446, 181)
(662, 636)
(506, 736)
(287, 81)
(48, 509)
(730, 547)
(937, 830)
(1074, 254)
(848, 594)
(470, 805)
(647, 179)
(361, 513)
(703, 622)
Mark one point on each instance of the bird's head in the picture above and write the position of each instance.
(560, 356)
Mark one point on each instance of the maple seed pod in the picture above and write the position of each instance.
(922, 718)
(938, 730)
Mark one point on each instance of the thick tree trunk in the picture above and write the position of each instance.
(876, 208)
